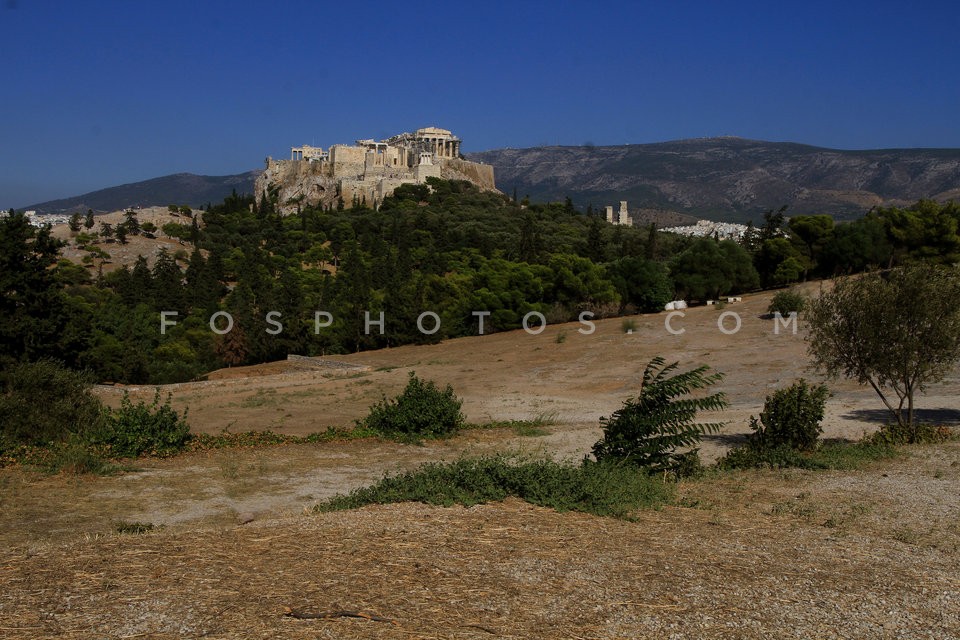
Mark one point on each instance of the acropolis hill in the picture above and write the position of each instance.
(367, 171)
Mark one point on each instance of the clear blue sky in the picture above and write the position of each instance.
(101, 93)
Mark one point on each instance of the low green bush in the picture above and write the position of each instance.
(143, 429)
(791, 417)
(600, 489)
(42, 403)
(787, 432)
(422, 410)
(837, 455)
(787, 302)
(748, 457)
(75, 458)
(895, 434)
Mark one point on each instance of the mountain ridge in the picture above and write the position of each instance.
(176, 188)
(725, 178)
(728, 178)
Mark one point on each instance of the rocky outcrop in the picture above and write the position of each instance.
(292, 183)
(479, 174)
(300, 183)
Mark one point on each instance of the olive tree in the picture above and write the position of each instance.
(897, 331)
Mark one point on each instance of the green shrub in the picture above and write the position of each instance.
(787, 302)
(601, 489)
(750, 456)
(421, 410)
(141, 429)
(76, 458)
(896, 434)
(43, 402)
(791, 417)
(647, 431)
(689, 465)
(839, 455)
(629, 325)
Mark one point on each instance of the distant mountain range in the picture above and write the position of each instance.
(179, 188)
(731, 179)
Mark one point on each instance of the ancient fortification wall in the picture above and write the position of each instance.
(368, 171)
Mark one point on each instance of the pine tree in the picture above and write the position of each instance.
(132, 223)
(167, 283)
(232, 347)
(142, 281)
(652, 241)
(33, 312)
(596, 247)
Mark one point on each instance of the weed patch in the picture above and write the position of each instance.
(601, 489)
(258, 439)
(532, 428)
(831, 455)
(134, 528)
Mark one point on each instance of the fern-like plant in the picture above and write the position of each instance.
(649, 429)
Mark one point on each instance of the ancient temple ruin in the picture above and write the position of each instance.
(621, 217)
(369, 170)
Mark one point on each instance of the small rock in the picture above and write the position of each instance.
(244, 518)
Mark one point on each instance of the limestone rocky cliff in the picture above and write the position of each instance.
(296, 183)
(301, 183)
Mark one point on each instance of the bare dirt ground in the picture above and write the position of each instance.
(871, 554)
(874, 553)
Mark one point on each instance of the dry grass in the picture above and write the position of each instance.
(214, 487)
(732, 565)
(758, 554)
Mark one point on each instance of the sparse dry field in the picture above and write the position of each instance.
(126, 254)
(794, 554)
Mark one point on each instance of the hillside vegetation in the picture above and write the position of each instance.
(448, 250)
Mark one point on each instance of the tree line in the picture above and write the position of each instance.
(445, 247)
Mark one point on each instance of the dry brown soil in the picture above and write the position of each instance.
(125, 254)
(873, 553)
